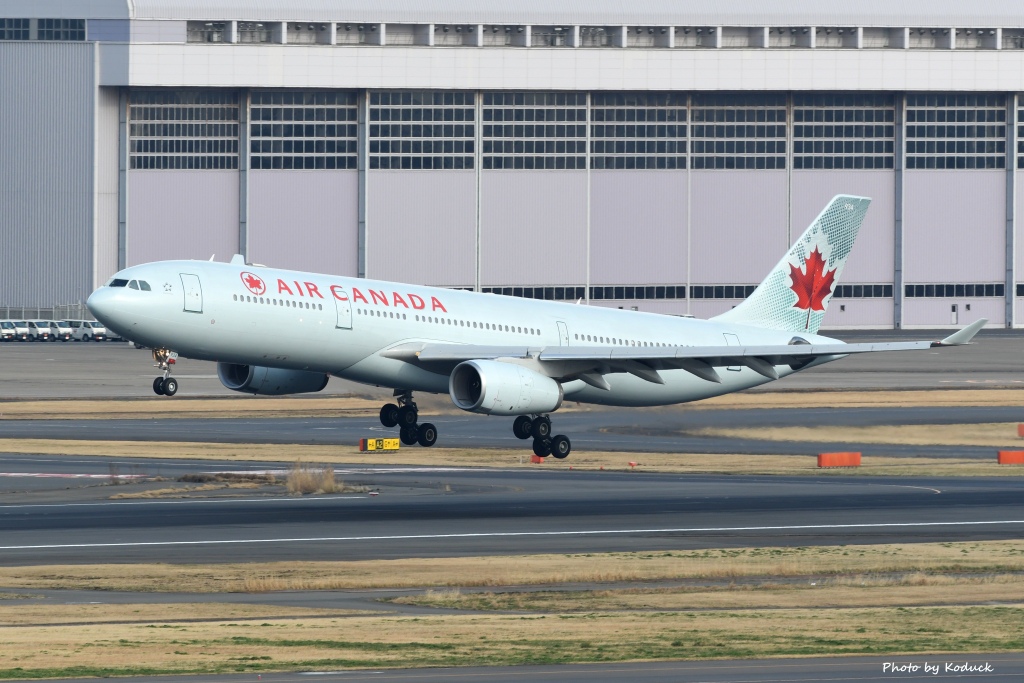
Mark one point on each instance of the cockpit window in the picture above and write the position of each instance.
(134, 284)
(116, 282)
(144, 286)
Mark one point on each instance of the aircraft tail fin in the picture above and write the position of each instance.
(796, 293)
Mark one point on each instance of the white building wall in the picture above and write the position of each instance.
(739, 229)
(924, 313)
(533, 227)
(182, 215)
(421, 227)
(105, 247)
(304, 220)
(638, 227)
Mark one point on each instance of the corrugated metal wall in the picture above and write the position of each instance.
(858, 313)
(533, 226)
(937, 313)
(739, 225)
(107, 145)
(304, 220)
(638, 227)
(954, 226)
(421, 227)
(46, 172)
(182, 215)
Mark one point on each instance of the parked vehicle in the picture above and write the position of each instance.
(20, 330)
(60, 330)
(39, 330)
(7, 332)
(87, 330)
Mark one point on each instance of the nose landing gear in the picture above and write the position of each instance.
(165, 385)
(405, 415)
(539, 429)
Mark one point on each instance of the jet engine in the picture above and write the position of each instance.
(255, 379)
(496, 388)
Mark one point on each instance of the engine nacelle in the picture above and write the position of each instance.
(495, 388)
(255, 379)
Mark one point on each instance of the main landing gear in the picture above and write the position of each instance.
(165, 385)
(538, 428)
(405, 415)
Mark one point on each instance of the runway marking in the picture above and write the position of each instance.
(179, 502)
(57, 475)
(503, 534)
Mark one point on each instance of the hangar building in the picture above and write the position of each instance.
(660, 154)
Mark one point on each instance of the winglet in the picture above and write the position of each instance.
(963, 336)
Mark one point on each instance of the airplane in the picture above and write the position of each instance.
(276, 332)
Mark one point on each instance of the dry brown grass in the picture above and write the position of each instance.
(304, 479)
(865, 399)
(183, 491)
(996, 434)
(985, 556)
(36, 614)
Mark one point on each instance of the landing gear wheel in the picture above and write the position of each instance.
(542, 447)
(409, 435)
(407, 416)
(170, 386)
(158, 386)
(523, 427)
(560, 446)
(389, 415)
(427, 435)
(541, 428)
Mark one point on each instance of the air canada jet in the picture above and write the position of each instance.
(284, 332)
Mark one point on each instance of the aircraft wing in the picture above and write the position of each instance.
(590, 363)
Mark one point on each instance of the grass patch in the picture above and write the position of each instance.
(996, 435)
(993, 557)
(304, 478)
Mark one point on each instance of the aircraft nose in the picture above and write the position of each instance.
(102, 305)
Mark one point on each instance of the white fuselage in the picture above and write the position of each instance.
(340, 325)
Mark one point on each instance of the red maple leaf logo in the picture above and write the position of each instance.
(812, 284)
(254, 283)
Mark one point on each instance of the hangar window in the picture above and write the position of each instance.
(207, 32)
(956, 131)
(183, 129)
(993, 289)
(738, 131)
(422, 130)
(14, 29)
(844, 131)
(863, 292)
(61, 29)
(534, 130)
(1020, 138)
(721, 291)
(638, 130)
(599, 293)
(303, 130)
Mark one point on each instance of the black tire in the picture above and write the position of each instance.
(407, 416)
(561, 447)
(540, 428)
(542, 447)
(158, 386)
(427, 435)
(389, 415)
(523, 427)
(170, 386)
(409, 435)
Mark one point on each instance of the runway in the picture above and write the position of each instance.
(445, 512)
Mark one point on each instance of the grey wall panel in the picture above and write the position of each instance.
(739, 225)
(421, 227)
(955, 226)
(872, 257)
(159, 31)
(638, 227)
(936, 312)
(304, 220)
(109, 30)
(46, 172)
(107, 140)
(182, 215)
(866, 313)
(1018, 226)
(533, 226)
(709, 308)
(662, 306)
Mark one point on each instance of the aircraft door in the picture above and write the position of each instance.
(732, 340)
(193, 293)
(344, 306)
(563, 334)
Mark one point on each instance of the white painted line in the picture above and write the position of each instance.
(190, 501)
(58, 475)
(505, 534)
